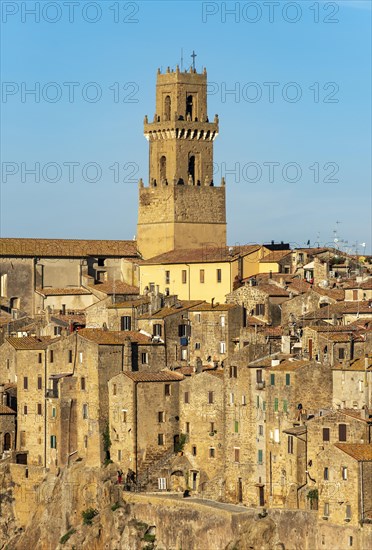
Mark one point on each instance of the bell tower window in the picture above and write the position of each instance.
(167, 108)
(189, 106)
(192, 167)
(163, 168)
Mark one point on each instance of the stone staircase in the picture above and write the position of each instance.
(151, 469)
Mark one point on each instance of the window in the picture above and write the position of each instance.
(70, 355)
(260, 456)
(167, 277)
(144, 358)
(193, 450)
(222, 347)
(157, 329)
(342, 432)
(40, 358)
(276, 435)
(212, 452)
(290, 444)
(264, 405)
(25, 409)
(197, 317)
(285, 406)
(260, 429)
(326, 509)
(223, 320)
(210, 397)
(236, 426)
(85, 411)
(22, 436)
(276, 404)
(197, 345)
(244, 400)
(326, 434)
(54, 412)
(124, 415)
(114, 389)
(257, 401)
(51, 356)
(119, 455)
(126, 322)
(85, 441)
(39, 409)
(80, 357)
(82, 383)
(186, 397)
(187, 427)
(57, 331)
(160, 439)
(161, 416)
(231, 399)
(287, 379)
(202, 275)
(344, 473)
(184, 354)
(234, 372)
(219, 275)
(167, 389)
(211, 427)
(236, 455)
(326, 474)
(53, 441)
(348, 513)
(182, 331)
(272, 379)
(39, 383)
(259, 376)
(184, 276)
(341, 353)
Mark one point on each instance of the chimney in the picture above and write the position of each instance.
(127, 361)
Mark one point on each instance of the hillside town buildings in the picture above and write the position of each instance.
(240, 373)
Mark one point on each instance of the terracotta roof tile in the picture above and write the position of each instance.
(113, 337)
(215, 307)
(162, 376)
(275, 256)
(365, 285)
(166, 311)
(67, 248)
(362, 452)
(129, 303)
(356, 364)
(203, 255)
(6, 410)
(31, 342)
(115, 287)
(46, 291)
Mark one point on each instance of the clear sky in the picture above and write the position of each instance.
(295, 129)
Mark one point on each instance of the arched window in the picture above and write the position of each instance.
(192, 167)
(7, 442)
(163, 168)
(167, 108)
(189, 106)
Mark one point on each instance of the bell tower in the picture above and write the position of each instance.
(181, 207)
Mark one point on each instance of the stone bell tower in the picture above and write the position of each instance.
(181, 207)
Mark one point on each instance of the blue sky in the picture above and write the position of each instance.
(315, 127)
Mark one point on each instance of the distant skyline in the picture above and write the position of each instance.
(291, 84)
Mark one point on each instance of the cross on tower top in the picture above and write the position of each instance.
(193, 55)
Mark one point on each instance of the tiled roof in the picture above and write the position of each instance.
(31, 342)
(335, 336)
(362, 452)
(203, 255)
(275, 256)
(252, 320)
(6, 410)
(162, 376)
(339, 310)
(365, 285)
(266, 360)
(166, 311)
(355, 413)
(286, 365)
(205, 306)
(129, 303)
(113, 337)
(312, 250)
(116, 287)
(333, 328)
(272, 290)
(62, 291)
(67, 248)
(217, 373)
(356, 364)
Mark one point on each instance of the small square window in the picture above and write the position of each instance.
(39, 383)
(184, 276)
(210, 397)
(160, 439)
(187, 427)
(236, 455)
(167, 277)
(193, 450)
(161, 416)
(40, 357)
(144, 358)
(197, 345)
(344, 473)
(186, 397)
(202, 276)
(39, 409)
(167, 389)
(212, 452)
(219, 275)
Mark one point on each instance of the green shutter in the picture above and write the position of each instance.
(287, 379)
(258, 401)
(260, 457)
(276, 404)
(272, 379)
(264, 405)
(236, 426)
(285, 405)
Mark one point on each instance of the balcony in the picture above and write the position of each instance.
(51, 393)
(260, 385)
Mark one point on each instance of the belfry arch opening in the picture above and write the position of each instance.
(189, 106)
(163, 168)
(191, 169)
(167, 108)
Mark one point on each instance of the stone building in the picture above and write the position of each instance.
(358, 291)
(144, 421)
(202, 424)
(345, 487)
(181, 206)
(7, 425)
(352, 384)
(214, 327)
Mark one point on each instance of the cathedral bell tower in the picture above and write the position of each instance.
(181, 208)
